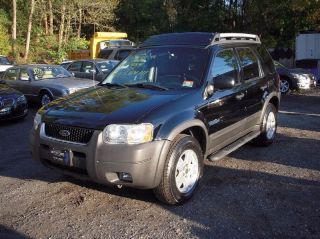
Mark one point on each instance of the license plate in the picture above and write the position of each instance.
(61, 156)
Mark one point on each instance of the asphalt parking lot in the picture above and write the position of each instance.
(271, 192)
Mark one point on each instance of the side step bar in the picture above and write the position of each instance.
(233, 146)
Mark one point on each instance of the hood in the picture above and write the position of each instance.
(97, 107)
(300, 71)
(69, 82)
(6, 91)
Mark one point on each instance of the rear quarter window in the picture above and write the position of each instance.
(249, 63)
(266, 60)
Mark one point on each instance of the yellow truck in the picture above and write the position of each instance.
(99, 41)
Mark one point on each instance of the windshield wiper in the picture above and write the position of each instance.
(109, 85)
(147, 86)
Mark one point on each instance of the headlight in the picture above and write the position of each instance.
(128, 134)
(36, 121)
(22, 99)
(65, 92)
(72, 90)
(300, 77)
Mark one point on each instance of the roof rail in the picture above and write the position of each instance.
(235, 37)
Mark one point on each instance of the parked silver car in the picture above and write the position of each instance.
(44, 83)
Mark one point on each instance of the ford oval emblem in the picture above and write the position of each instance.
(64, 133)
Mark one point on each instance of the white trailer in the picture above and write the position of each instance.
(308, 46)
(308, 52)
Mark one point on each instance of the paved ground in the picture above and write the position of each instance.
(253, 193)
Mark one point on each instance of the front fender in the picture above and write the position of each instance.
(180, 122)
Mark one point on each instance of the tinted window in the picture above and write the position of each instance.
(225, 65)
(122, 54)
(267, 61)
(106, 66)
(249, 63)
(75, 66)
(87, 66)
(4, 61)
(11, 74)
(105, 54)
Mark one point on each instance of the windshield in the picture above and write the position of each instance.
(49, 72)
(4, 61)
(169, 67)
(106, 66)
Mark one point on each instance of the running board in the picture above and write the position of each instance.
(233, 146)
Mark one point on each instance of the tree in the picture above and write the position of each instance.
(14, 26)
(29, 29)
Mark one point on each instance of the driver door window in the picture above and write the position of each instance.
(11, 74)
(225, 65)
(75, 66)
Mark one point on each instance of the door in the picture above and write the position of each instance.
(224, 110)
(24, 84)
(253, 80)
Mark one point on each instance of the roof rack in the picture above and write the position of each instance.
(235, 37)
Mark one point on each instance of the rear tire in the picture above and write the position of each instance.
(182, 171)
(285, 85)
(268, 127)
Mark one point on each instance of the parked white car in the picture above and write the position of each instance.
(4, 64)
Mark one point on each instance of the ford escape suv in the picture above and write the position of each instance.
(179, 99)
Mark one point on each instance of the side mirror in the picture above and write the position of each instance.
(224, 82)
(2, 82)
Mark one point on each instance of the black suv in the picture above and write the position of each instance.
(178, 100)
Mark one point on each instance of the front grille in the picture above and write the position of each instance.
(76, 134)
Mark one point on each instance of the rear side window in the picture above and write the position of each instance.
(75, 66)
(11, 74)
(225, 65)
(248, 63)
(105, 53)
(122, 54)
(266, 59)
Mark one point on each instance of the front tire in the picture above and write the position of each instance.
(45, 98)
(182, 171)
(268, 126)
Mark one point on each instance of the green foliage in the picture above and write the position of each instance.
(4, 33)
(141, 19)
(48, 51)
(276, 21)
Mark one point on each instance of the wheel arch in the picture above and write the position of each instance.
(273, 98)
(45, 90)
(193, 127)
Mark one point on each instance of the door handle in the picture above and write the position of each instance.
(240, 96)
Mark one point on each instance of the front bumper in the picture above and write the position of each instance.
(103, 163)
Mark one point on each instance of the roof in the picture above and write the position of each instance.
(201, 39)
(35, 65)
